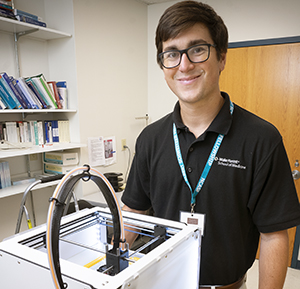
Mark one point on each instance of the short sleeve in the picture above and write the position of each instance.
(136, 194)
(273, 202)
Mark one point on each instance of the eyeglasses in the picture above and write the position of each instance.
(196, 54)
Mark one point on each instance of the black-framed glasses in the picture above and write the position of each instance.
(196, 54)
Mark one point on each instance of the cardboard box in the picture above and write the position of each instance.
(60, 158)
(49, 168)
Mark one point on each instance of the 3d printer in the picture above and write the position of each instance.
(75, 251)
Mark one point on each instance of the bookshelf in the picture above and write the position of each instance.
(10, 153)
(14, 190)
(50, 51)
(13, 26)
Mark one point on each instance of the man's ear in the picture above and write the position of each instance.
(222, 62)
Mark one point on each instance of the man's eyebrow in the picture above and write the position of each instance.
(191, 43)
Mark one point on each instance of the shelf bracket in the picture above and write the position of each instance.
(17, 36)
(23, 33)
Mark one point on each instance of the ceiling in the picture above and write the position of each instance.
(149, 2)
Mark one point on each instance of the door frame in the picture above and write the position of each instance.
(296, 251)
(295, 262)
(262, 42)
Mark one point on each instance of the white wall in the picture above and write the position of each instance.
(111, 57)
(112, 91)
(245, 20)
(110, 74)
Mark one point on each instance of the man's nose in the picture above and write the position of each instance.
(185, 63)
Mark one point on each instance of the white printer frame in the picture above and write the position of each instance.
(173, 264)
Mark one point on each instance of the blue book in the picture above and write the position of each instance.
(14, 93)
(25, 90)
(2, 102)
(3, 79)
(48, 131)
(29, 20)
(24, 13)
(8, 99)
(15, 83)
(23, 99)
(55, 131)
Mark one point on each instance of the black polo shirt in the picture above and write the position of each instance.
(248, 190)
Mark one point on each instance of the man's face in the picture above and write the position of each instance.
(194, 82)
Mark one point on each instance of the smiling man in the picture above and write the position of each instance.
(211, 157)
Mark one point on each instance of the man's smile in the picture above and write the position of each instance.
(188, 79)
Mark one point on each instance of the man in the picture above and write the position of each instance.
(211, 157)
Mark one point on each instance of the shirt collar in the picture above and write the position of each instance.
(221, 124)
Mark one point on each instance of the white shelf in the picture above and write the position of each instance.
(20, 189)
(9, 153)
(60, 57)
(14, 26)
(12, 111)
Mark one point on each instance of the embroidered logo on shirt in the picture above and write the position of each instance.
(229, 163)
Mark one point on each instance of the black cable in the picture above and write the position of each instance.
(58, 210)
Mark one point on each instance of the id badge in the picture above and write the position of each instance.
(193, 219)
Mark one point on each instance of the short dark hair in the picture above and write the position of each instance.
(184, 15)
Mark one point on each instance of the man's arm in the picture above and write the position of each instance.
(131, 236)
(273, 260)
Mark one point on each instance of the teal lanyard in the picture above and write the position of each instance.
(207, 167)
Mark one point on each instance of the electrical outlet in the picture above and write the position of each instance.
(123, 144)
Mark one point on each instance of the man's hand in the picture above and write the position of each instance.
(131, 236)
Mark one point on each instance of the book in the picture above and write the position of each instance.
(20, 131)
(5, 6)
(6, 2)
(4, 12)
(34, 132)
(42, 93)
(11, 131)
(27, 14)
(48, 131)
(27, 131)
(9, 101)
(29, 20)
(7, 174)
(22, 181)
(34, 97)
(12, 90)
(53, 87)
(47, 88)
(27, 92)
(44, 89)
(40, 128)
(2, 103)
(40, 98)
(12, 83)
(63, 93)
(2, 177)
(57, 169)
(2, 131)
(64, 131)
(25, 100)
(55, 131)
(61, 158)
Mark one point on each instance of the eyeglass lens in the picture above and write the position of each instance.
(196, 53)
